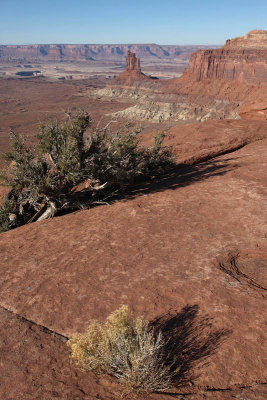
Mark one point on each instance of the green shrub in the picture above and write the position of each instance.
(7, 216)
(126, 348)
(43, 178)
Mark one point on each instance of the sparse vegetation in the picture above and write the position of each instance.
(7, 215)
(126, 348)
(73, 166)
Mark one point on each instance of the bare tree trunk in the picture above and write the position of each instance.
(49, 212)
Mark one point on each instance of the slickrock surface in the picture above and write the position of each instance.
(243, 59)
(254, 111)
(35, 364)
(196, 237)
(198, 142)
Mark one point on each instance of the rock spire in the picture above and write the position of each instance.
(132, 62)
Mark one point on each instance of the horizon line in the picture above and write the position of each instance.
(110, 44)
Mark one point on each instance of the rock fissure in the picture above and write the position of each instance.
(232, 269)
(222, 153)
(42, 327)
(215, 389)
(65, 338)
(231, 388)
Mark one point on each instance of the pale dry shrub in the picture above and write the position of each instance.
(126, 348)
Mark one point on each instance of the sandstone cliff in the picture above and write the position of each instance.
(256, 39)
(243, 59)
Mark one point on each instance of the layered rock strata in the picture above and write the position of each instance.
(243, 59)
(185, 99)
(228, 83)
(255, 39)
(84, 52)
(159, 107)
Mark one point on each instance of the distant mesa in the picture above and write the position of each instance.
(91, 52)
(243, 59)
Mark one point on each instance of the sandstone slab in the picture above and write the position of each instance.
(161, 249)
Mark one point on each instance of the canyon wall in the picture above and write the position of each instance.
(243, 59)
(83, 52)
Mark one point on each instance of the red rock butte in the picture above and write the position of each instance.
(132, 62)
(242, 59)
(133, 71)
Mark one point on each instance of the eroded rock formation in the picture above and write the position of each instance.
(132, 72)
(243, 59)
(256, 39)
(132, 62)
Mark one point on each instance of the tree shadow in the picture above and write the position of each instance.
(190, 340)
(175, 177)
(182, 175)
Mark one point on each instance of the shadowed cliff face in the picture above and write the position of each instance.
(243, 59)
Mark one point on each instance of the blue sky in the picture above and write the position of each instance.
(129, 21)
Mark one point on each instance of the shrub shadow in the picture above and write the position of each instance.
(191, 340)
(178, 176)
(181, 176)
